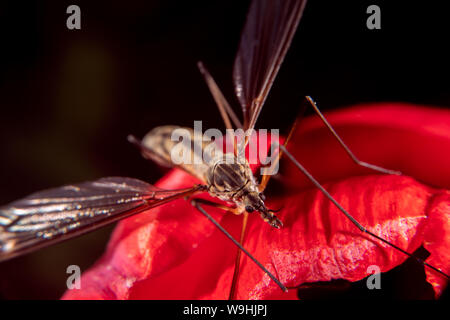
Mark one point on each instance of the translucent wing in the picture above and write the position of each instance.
(53, 215)
(265, 39)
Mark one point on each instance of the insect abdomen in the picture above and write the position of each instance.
(177, 148)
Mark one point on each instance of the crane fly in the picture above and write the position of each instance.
(50, 216)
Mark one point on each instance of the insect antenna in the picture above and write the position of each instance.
(353, 220)
(229, 236)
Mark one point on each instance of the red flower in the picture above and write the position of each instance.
(173, 252)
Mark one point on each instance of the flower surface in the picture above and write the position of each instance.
(174, 252)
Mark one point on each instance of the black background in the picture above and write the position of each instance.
(69, 98)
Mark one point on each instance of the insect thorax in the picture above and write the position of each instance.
(228, 178)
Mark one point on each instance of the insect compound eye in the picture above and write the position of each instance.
(249, 209)
(262, 196)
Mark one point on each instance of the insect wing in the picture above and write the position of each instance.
(265, 39)
(53, 215)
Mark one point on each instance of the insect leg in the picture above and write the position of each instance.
(224, 107)
(197, 204)
(346, 148)
(237, 262)
(235, 211)
(353, 220)
(266, 176)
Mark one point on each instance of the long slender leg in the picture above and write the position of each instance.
(237, 262)
(353, 220)
(197, 203)
(223, 105)
(346, 148)
(266, 176)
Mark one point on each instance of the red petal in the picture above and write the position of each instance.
(412, 139)
(174, 252)
(437, 239)
(319, 244)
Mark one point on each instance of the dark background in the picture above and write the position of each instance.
(69, 98)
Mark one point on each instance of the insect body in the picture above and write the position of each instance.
(227, 175)
(49, 216)
(57, 214)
